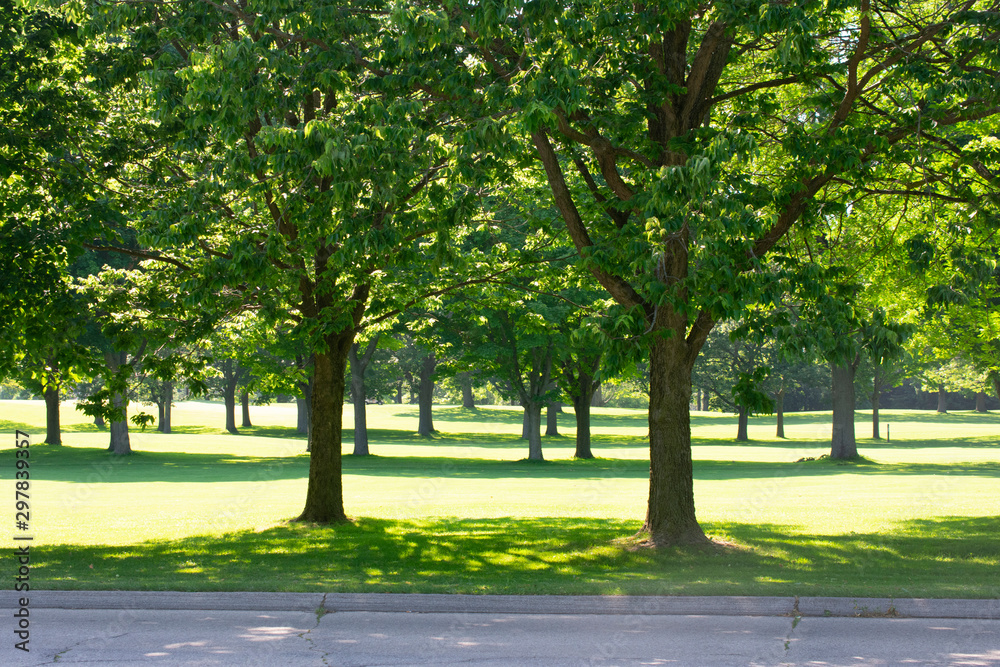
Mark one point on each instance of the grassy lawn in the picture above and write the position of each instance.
(201, 509)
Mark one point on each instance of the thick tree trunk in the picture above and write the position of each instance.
(741, 424)
(230, 398)
(552, 418)
(163, 405)
(53, 432)
(942, 400)
(325, 495)
(981, 402)
(525, 427)
(399, 394)
(779, 409)
(245, 404)
(99, 421)
(465, 382)
(119, 444)
(670, 516)
(359, 395)
(533, 418)
(425, 396)
(843, 445)
(581, 408)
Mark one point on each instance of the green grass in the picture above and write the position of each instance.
(462, 512)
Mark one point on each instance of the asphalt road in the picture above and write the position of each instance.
(305, 629)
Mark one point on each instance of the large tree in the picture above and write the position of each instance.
(298, 170)
(685, 145)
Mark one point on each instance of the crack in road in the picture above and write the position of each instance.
(796, 619)
(59, 654)
(321, 611)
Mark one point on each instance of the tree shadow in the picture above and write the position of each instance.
(945, 557)
(95, 465)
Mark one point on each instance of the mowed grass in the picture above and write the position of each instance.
(201, 509)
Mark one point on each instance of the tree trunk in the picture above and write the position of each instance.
(581, 408)
(324, 494)
(533, 419)
(670, 516)
(525, 427)
(304, 417)
(99, 421)
(359, 395)
(843, 445)
(779, 409)
(741, 424)
(119, 444)
(229, 380)
(245, 403)
(159, 414)
(425, 396)
(465, 382)
(552, 418)
(876, 432)
(942, 400)
(166, 421)
(53, 433)
(399, 394)
(981, 402)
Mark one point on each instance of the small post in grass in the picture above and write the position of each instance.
(887, 433)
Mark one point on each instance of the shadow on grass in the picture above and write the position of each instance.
(95, 465)
(952, 557)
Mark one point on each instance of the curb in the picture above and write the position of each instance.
(518, 604)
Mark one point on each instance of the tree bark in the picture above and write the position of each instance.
(229, 380)
(119, 444)
(167, 399)
(942, 400)
(741, 424)
(303, 425)
(533, 419)
(245, 404)
(425, 396)
(358, 396)
(670, 515)
(581, 409)
(325, 494)
(359, 393)
(99, 421)
(465, 382)
(583, 394)
(981, 402)
(525, 427)
(552, 418)
(843, 445)
(779, 409)
(53, 432)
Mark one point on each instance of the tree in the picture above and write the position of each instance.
(304, 174)
(359, 364)
(685, 145)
